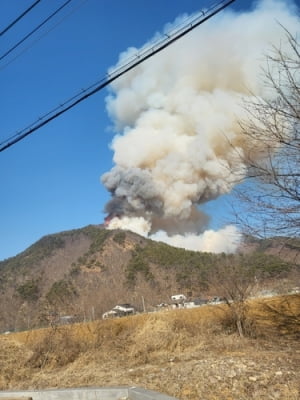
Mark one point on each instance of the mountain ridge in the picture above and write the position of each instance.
(86, 271)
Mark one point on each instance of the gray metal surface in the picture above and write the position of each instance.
(110, 393)
(143, 394)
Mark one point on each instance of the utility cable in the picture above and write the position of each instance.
(19, 17)
(34, 30)
(43, 35)
(128, 65)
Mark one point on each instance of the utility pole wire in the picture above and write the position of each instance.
(19, 17)
(34, 30)
(43, 35)
(150, 51)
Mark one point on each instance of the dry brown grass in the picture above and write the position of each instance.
(190, 354)
(280, 316)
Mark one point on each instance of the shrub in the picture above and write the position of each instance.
(29, 290)
(58, 347)
(120, 237)
(61, 291)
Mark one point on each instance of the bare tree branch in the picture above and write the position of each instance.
(271, 197)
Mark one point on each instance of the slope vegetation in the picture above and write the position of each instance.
(85, 272)
(190, 354)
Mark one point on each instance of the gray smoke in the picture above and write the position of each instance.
(133, 190)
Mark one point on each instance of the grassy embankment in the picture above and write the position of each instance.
(191, 354)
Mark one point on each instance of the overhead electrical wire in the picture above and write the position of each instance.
(19, 17)
(128, 65)
(2, 67)
(34, 30)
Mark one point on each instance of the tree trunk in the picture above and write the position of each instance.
(239, 327)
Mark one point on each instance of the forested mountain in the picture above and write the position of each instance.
(86, 271)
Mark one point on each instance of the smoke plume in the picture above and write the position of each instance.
(177, 121)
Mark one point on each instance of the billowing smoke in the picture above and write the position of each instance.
(177, 117)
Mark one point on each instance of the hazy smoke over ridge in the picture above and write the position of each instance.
(178, 117)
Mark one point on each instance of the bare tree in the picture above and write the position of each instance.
(234, 279)
(271, 197)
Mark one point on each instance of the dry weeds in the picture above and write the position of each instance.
(190, 354)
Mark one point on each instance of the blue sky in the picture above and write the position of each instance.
(50, 181)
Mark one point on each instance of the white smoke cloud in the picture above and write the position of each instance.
(226, 240)
(177, 121)
(135, 224)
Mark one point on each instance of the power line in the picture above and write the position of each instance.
(34, 30)
(43, 35)
(128, 65)
(19, 17)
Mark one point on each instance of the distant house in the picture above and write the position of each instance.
(217, 300)
(195, 303)
(162, 305)
(178, 298)
(125, 309)
(67, 319)
(120, 310)
(200, 302)
(295, 290)
(109, 314)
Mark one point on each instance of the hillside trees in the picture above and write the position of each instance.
(237, 277)
(271, 196)
(234, 283)
(60, 291)
(29, 290)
